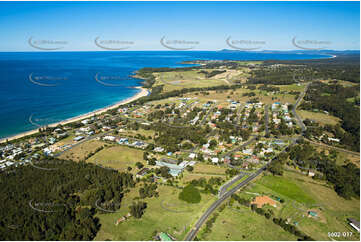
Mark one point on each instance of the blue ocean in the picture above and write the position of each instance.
(39, 88)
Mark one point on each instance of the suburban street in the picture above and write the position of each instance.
(266, 119)
(192, 234)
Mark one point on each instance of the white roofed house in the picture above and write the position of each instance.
(215, 160)
(109, 138)
(334, 140)
(85, 122)
(192, 156)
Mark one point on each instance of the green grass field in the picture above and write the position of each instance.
(184, 79)
(80, 151)
(286, 188)
(302, 194)
(209, 169)
(321, 118)
(243, 224)
(163, 214)
(118, 157)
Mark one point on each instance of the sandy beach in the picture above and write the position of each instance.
(143, 92)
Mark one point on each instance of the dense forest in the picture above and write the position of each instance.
(60, 203)
(343, 67)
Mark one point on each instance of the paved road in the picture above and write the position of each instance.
(223, 189)
(82, 141)
(192, 234)
(266, 118)
(207, 114)
(299, 120)
(239, 147)
(238, 121)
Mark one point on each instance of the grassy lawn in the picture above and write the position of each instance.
(243, 224)
(176, 221)
(209, 169)
(286, 188)
(318, 117)
(302, 194)
(133, 133)
(189, 176)
(184, 79)
(66, 141)
(342, 157)
(118, 157)
(80, 151)
(293, 87)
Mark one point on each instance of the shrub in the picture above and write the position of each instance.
(190, 194)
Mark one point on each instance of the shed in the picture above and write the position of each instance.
(164, 237)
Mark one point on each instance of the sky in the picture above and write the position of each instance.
(100, 26)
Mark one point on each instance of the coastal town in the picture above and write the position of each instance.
(224, 146)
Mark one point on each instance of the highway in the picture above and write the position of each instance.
(299, 120)
(192, 234)
(222, 190)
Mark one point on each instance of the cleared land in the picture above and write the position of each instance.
(118, 157)
(209, 169)
(163, 214)
(243, 224)
(81, 151)
(321, 118)
(303, 194)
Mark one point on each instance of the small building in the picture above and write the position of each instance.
(334, 140)
(192, 156)
(164, 237)
(78, 138)
(121, 219)
(109, 138)
(215, 160)
(142, 172)
(312, 213)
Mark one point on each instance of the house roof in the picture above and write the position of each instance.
(164, 237)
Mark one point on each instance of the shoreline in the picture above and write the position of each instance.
(143, 92)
